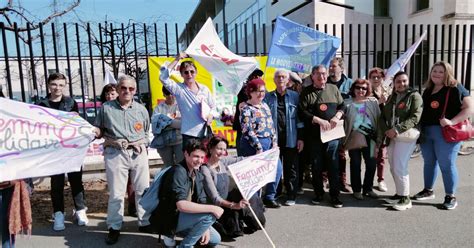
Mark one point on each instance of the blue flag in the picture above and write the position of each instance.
(298, 48)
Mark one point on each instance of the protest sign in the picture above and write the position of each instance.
(254, 172)
(36, 141)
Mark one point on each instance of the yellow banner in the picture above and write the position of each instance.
(223, 99)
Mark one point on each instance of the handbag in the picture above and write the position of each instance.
(458, 132)
(356, 140)
(408, 136)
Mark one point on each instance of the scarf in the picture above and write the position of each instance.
(19, 216)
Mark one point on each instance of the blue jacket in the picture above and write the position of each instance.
(293, 122)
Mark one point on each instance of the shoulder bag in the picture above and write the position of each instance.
(458, 132)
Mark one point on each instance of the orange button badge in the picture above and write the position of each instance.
(434, 104)
(138, 126)
(402, 105)
(323, 107)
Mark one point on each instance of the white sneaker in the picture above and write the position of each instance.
(58, 221)
(81, 217)
(382, 186)
(169, 241)
(289, 203)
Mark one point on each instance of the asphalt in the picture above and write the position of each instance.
(366, 223)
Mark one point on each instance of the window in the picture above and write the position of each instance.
(421, 5)
(381, 8)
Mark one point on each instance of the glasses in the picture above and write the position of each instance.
(127, 88)
(260, 91)
(360, 88)
(189, 72)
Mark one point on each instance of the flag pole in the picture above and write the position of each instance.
(261, 226)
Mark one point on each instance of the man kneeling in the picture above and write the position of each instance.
(182, 208)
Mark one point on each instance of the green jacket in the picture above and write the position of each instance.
(407, 110)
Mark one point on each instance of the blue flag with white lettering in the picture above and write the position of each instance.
(298, 48)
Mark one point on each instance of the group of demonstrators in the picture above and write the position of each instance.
(198, 200)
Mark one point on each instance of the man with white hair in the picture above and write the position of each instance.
(283, 104)
(124, 125)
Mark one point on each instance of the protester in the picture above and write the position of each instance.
(166, 120)
(343, 83)
(283, 105)
(57, 100)
(109, 93)
(321, 107)
(401, 112)
(435, 150)
(381, 93)
(360, 122)
(295, 83)
(190, 97)
(258, 133)
(15, 211)
(182, 208)
(241, 99)
(218, 184)
(124, 125)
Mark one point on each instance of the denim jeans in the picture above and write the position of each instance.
(325, 156)
(192, 226)
(171, 155)
(77, 189)
(439, 153)
(356, 163)
(5, 197)
(248, 150)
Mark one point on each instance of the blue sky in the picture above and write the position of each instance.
(118, 10)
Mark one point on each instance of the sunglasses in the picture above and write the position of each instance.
(189, 72)
(127, 88)
(360, 88)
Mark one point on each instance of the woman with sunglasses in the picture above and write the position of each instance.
(190, 97)
(401, 113)
(362, 113)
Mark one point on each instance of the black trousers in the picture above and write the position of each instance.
(289, 157)
(57, 191)
(325, 156)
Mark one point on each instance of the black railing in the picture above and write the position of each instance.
(83, 52)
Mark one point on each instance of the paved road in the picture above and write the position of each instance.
(367, 223)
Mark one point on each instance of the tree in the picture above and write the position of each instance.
(12, 14)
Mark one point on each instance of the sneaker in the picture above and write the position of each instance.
(358, 196)
(317, 199)
(425, 194)
(371, 194)
(345, 188)
(112, 236)
(382, 186)
(58, 221)
(81, 217)
(169, 241)
(393, 199)
(403, 204)
(450, 202)
(289, 203)
(271, 204)
(300, 192)
(336, 202)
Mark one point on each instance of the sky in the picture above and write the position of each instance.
(172, 11)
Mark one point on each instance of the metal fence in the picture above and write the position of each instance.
(84, 51)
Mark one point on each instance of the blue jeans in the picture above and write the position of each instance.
(248, 150)
(192, 226)
(5, 197)
(325, 156)
(370, 166)
(439, 153)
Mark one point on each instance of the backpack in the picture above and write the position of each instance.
(150, 198)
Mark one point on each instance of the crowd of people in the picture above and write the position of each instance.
(198, 199)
